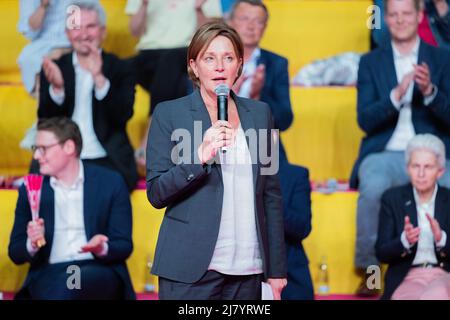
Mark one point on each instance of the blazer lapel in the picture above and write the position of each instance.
(409, 205)
(90, 197)
(247, 122)
(422, 57)
(389, 72)
(200, 115)
(262, 58)
(440, 208)
(68, 70)
(199, 111)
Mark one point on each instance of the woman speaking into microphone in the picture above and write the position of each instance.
(222, 232)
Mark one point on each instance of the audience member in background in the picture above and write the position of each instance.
(265, 76)
(96, 90)
(227, 5)
(414, 224)
(403, 89)
(43, 23)
(434, 28)
(164, 29)
(296, 192)
(84, 217)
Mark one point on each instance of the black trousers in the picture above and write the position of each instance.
(163, 73)
(97, 282)
(213, 286)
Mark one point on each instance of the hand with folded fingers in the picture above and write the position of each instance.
(36, 232)
(219, 135)
(95, 245)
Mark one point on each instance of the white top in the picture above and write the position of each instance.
(50, 36)
(248, 71)
(82, 113)
(425, 245)
(170, 23)
(69, 229)
(237, 248)
(404, 129)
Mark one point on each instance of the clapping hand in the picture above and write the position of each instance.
(412, 234)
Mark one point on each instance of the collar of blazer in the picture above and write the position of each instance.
(246, 118)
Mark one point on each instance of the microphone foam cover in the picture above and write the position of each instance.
(222, 90)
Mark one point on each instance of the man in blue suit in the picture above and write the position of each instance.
(296, 193)
(438, 20)
(265, 75)
(85, 220)
(403, 89)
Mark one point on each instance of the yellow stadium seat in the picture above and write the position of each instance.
(12, 41)
(304, 31)
(324, 136)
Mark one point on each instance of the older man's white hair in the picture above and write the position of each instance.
(89, 5)
(426, 142)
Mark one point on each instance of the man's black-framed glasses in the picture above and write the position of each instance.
(43, 149)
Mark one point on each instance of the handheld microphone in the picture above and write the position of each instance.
(222, 92)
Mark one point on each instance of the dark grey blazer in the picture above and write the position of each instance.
(193, 193)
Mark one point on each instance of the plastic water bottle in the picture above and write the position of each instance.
(322, 278)
(1, 295)
(149, 286)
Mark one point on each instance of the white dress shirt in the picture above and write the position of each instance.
(404, 129)
(237, 247)
(82, 113)
(69, 229)
(248, 71)
(425, 246)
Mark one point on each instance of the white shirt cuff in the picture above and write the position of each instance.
(443, 241)
(32, 251)
(404, 241)
(57, 98)
(104, 251)
(101, 93)
(428, 100)
(397, 104)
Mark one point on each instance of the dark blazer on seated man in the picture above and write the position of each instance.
(275, 91)
(377, 116)
(109, 115)
(107, 211)
(296, 192)
(396, 204)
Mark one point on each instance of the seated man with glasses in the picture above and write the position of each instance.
(84, 218)
(414, 224)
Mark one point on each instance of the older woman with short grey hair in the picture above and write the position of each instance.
(413, 228)
(427, 142)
